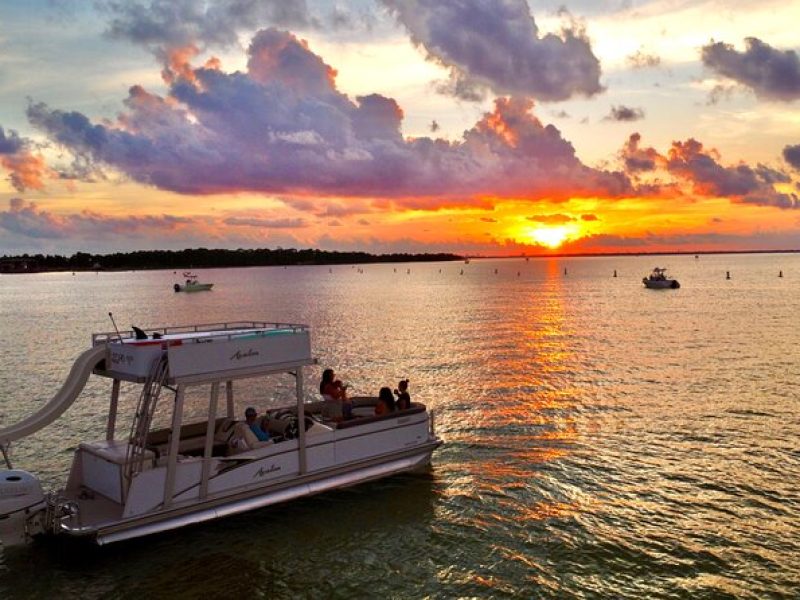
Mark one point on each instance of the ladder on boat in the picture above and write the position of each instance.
(148, 400)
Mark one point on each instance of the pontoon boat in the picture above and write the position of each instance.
(155, 479)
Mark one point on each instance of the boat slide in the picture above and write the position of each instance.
(61, 401)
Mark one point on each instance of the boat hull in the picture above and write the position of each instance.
(661, 284)
(197, 287)
(251, 499)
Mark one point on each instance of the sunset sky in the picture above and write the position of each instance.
(492, 127)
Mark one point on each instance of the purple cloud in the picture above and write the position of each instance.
(624, 113)
(28, 220)
(791, 154)
(10, 143)
(771, 73)
(179, 23)
(741, 183)
(266, 223)
(495, 44)
(638, 159)
(282, 127)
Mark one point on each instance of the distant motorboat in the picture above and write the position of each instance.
(192, 284)
(658, 280)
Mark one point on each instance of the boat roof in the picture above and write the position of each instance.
(237, 329)
(208, 352)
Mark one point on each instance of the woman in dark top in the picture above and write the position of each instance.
(330, 386)
(385, 402)
(335, 395)
(403, 397)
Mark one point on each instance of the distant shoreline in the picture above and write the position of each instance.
(201, 258)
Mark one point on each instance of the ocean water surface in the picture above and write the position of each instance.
(602, 440)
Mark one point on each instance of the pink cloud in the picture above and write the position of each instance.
(282, 127)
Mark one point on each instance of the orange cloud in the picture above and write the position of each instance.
(27, 171)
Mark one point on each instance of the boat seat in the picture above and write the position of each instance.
(415, 408)
(113, 451)
(243, 439)
(193, 437)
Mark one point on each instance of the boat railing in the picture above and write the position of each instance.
(143, 417)
(204, 331)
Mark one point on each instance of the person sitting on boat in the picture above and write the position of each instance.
(251, 416)
(385, 403)
(334, 393)
(403, 397)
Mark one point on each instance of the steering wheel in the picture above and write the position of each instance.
(292, 431)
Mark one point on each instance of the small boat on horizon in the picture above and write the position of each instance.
(192, 284)
(658, 280)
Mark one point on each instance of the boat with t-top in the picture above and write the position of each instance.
(148, 479)
(658, 280)
(192, 284)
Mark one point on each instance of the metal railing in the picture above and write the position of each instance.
(207, 330)
(145, 409)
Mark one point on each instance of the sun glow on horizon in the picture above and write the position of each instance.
(551, 237)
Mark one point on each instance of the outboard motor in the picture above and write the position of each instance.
(176, 287)
(22, 507)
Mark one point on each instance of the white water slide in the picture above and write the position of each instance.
(62, 400)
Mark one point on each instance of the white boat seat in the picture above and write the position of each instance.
(113, 451)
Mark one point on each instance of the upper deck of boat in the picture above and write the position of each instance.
(198, 333)
(206, 351)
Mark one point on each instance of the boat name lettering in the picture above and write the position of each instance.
(118, 358)
(262, 471)
(239, 355)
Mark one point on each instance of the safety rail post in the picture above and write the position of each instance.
(174, 442)
(209, 446)
(301, 421)
(112, 410)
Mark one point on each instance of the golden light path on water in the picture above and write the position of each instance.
(601, 439)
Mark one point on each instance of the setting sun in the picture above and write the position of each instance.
(552, 237)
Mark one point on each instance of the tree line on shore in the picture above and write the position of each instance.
(195, 258)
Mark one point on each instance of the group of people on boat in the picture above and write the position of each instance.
(338, 407)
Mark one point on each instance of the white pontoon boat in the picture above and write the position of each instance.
(152, 480)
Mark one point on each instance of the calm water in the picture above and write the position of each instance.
(601, 439)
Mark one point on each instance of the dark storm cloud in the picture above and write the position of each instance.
(771, 73)
(495, 44)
